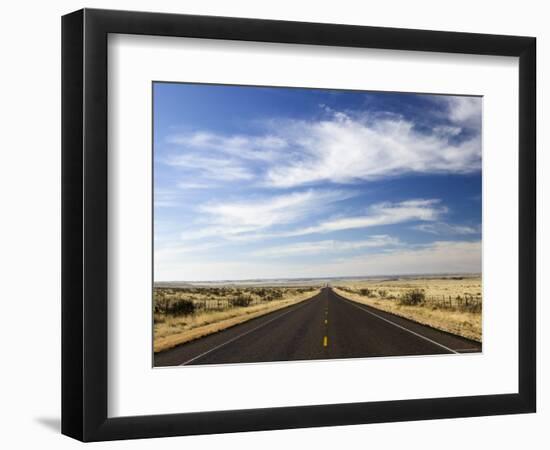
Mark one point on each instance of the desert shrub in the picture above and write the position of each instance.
(304, 289)
(159, 318)
(241, 300)
(160, 304)
(382, 293)
(413, 297)
(366, 292)
(181, 307)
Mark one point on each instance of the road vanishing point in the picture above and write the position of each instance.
(326, 326)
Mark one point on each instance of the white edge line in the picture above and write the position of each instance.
(243, 334)
(398, 326)
(468, 350)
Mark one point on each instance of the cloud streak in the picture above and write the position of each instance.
(326, 246)
(445, 228)
(211, 168)
(263, 147)
(231, 219)
(381, 214)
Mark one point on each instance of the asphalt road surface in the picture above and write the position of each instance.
(327, 326)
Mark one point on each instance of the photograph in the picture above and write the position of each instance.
(295, 224)
(268, 226)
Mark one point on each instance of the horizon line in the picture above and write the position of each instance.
(241, 280)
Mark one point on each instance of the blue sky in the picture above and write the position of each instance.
(253, 182)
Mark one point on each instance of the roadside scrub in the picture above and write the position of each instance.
(179, 320)
(461, 320)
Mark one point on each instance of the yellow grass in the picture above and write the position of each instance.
(463, 323)
(436, 286)
(170, 331)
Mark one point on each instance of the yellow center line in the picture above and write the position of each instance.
(325, 339)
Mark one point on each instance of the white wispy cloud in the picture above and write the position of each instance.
(345, 149)
(446, 228)
(326, 246)
(228, 219)
(195, 185)
(381, 214)
(211, 167)
(464, 110)
(165, 198)
(263, 147)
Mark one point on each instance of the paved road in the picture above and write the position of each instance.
(327, 326)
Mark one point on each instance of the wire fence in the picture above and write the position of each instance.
(468, 302)
(465, 302)
(180, 302)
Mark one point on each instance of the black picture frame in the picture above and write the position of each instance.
(84, 224)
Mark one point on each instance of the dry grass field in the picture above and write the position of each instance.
(182, 314)
(452, 304)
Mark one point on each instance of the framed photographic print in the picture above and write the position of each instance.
(316, 224)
